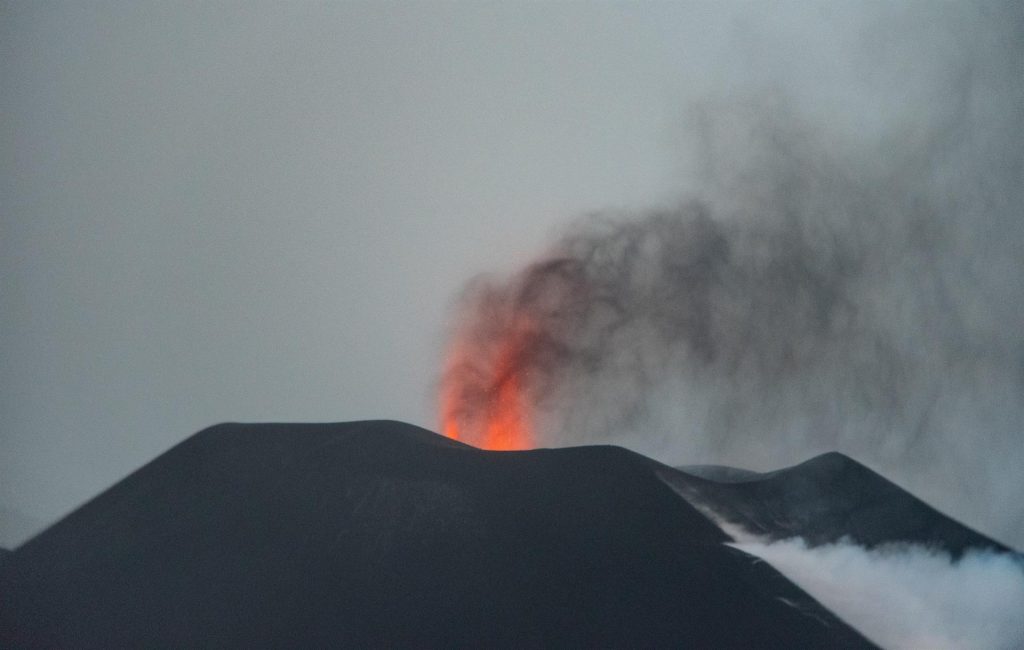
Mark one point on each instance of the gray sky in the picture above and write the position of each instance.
(243, 211)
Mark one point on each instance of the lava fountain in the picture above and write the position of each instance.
(506, 336)
(483, 401)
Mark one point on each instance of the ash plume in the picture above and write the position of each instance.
(852, 284)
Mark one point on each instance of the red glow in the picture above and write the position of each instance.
(507, 426)
(483, 400)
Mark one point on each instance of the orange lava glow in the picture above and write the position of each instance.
(483, 400)
(507, 427)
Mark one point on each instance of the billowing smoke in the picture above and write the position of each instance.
(854, 284)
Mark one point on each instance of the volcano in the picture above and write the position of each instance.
(384, 534)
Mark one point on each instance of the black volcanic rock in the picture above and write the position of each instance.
(823, 500)
(384, 534)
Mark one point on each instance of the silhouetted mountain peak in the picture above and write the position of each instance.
(822, 500)
(382, 533)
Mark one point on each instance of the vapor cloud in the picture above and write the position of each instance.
(848, 284)
(909, 597)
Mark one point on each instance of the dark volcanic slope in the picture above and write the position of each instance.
(823, 500)
(380, 533)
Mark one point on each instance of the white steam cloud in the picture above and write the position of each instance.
(910, 597)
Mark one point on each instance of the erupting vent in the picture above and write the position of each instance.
(483, 401)
(510, 337)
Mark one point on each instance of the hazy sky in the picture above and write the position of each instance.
(252, 212)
